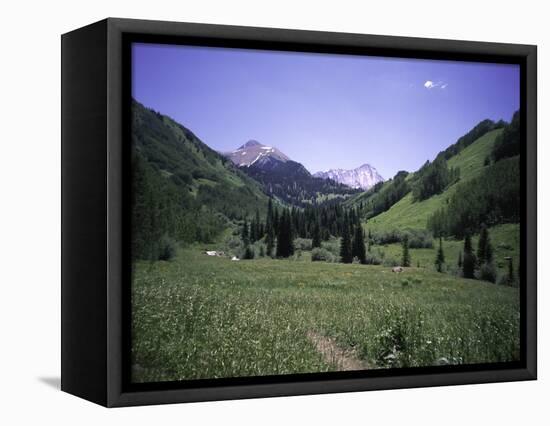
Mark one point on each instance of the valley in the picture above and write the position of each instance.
(304, 255)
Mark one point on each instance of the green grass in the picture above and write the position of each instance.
(471, 159)
(504, 239)
(407, 213)
(205, 317)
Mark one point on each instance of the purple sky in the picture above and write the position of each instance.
(325, 111)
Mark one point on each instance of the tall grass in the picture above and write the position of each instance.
(203, 317)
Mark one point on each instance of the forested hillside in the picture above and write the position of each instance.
(183, 190)
(292, 183)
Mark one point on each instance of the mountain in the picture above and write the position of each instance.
(440, 188)
(364, 177)
(253, 151)
(284, 178)
(202, 176)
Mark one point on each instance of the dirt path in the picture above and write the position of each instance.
(342, 359)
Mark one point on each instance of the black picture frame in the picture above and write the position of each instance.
(95, 253)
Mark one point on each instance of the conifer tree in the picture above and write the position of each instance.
(285, 246)
(269, 215)
(244, 233)
(440, 258)
(316, 237)
(269, 229)
(276, 221)
(459, 263)
(469, 259)
(248, 253)
(346, 255)
(358, 249)
(252, 232)
(258, 227)
(269, 240)
(484, 249)
(406, 258)
(510, 271)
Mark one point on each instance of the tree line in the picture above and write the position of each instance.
(478, 264)
(491, 198)
(383, 195)
(282, 225)
(433, 178)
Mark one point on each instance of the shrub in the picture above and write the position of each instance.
(418, 238)
(322, 255)
(333, 246)
(488, 272)
(248, 253)
(167, 248)
(302, 244)
(390, 261)
(373, 259)
(259, 249)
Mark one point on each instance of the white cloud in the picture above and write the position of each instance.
(429, 84)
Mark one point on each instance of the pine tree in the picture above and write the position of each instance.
(484, 249)
(282, 237)
(346, 255)
(244, 233)
(406, 259)
(252, 233)
(459, 263)
(285, 246)
(316, 238)
(269, 240)
(358, 248)
(248, 253)
(276, 220)
(269, 229)
(290, 239)
(510, 271)
(469, 260)
(440, 258)
(257, 226)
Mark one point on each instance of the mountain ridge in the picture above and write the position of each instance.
(365, 176)
(284, 178)
(252, 151)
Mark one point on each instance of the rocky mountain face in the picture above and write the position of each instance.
(252, 152)
(284, 178)
(364, 177)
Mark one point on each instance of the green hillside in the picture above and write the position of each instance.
(193, 167)
(183, 190)
(408, 213)
(484, 189)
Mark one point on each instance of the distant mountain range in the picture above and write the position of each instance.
(364, 177)
(284, 178)
(268, 158)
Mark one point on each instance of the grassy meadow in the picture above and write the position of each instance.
(505, 240)
(312, 288)
(209, 317)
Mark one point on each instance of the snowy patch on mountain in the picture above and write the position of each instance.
(364, 177)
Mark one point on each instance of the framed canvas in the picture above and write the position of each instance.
(255, 212)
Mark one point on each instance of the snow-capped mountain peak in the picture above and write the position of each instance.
(364, 176)
(252, 151)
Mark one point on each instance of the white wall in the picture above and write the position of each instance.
(30, 194)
